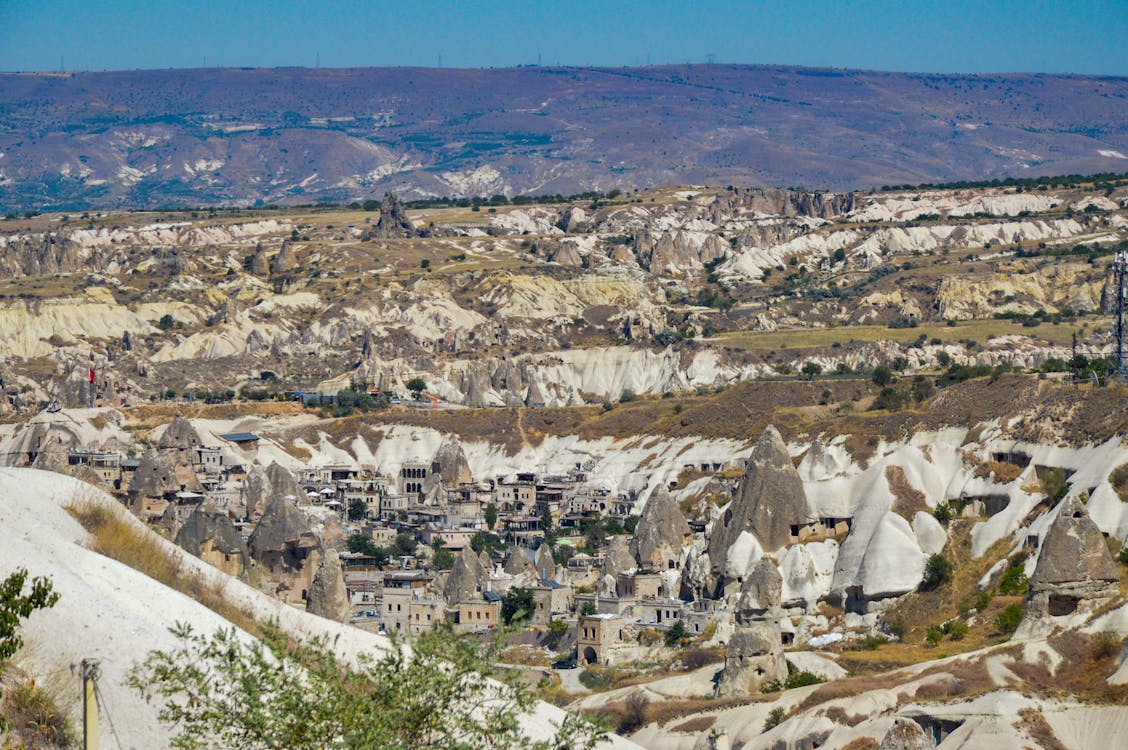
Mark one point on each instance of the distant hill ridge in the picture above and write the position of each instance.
(293, 135)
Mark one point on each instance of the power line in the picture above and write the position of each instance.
(109, 719)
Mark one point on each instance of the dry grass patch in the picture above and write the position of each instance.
(114, 536)
(862, 743)
(838, 715)
(1082, 674)
(845, 688)
(158, 414)
(1005, 473)
(696, 725)
(37, 716)
(671, 710)
(914, 613)
(909, 500)
(1119, 480)
(1035, 726)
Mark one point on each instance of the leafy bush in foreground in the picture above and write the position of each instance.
(226, 691)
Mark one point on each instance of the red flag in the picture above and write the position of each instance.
(91, 376)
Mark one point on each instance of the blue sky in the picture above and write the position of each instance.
(942, 36)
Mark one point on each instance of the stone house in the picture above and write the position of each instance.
(480, 614)
(550, 599)
(600, 638)
(425, 613)
(660, 613)
(105, 464)
(414, 477)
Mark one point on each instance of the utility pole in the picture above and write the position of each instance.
(1120, 266)
(89, 672)
(1073, 362)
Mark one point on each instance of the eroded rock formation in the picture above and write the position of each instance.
(769, 501)
(1074, 571)
(393, 222)
(466, 580)
(661, 533)
(327, 594)
(754, 653)
(287, 548)
(211, 536)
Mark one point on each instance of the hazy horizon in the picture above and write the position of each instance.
(960, 37)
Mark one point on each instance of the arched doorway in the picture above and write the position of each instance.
(589, 655)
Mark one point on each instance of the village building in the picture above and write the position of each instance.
(474, 615)
(105, 464)
(400, 590)
(602, 638)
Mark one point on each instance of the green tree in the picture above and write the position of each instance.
(362, 544)
(358, 509)
(1014, 581)
(937, 571)
(416, 385)
(1008, 620)
(811, 369)
(490, 543)
(226, 691)
(517, 605)
(943, 512)
(405, 544)
(166, 323)
(882, 375)
(923, 388)
(442, 558)
(15, 605)
(491, 516)
(676, 634)
(588, 609)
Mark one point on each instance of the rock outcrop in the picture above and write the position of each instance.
(466, 580)
(753, 657)
(211, 536)
(760, 593)
(519, 562)
(285, 260)
(754, 653)
(769, 501)
(181, 437)
(545, 563)
(674, 253)
(327, 594)
(618, 558)
(393, 222)
(155, 477)
(450, 463)
(1074, 571)
(786, 203)
(662, 532)
(260, 266)
(287, 548)
(906, 734)
(263, 486)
